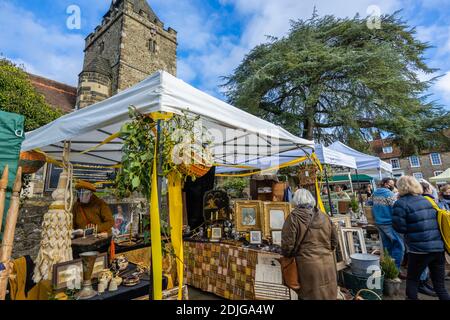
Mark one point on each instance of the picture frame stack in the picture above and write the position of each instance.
(261, 220)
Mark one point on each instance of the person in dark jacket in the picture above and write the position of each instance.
(445, 197)
(309, 236)
(415, 217)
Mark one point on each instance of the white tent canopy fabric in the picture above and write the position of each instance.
(363, 161)
(443, 177)
(238, 136)
(324, 154)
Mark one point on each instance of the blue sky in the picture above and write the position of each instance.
(213, 35)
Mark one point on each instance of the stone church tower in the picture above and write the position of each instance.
(129, 45)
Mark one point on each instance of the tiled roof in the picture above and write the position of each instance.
(377, 149)
(58, 95)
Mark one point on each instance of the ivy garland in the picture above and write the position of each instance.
(177, 134)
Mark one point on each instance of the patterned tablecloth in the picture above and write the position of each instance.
(225, 270)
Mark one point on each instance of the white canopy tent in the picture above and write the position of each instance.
(442, 178)
(364, 162)
(324, 154)
(238, 136)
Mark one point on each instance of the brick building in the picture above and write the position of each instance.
(425, 165)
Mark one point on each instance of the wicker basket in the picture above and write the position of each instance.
(369, 215)
(200, 161)
(31, 161)
(307, 174)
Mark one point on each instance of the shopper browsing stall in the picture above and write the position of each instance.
(415, 217)
(91, 210)
(309, 235)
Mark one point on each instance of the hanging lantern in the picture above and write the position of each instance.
(31, 161)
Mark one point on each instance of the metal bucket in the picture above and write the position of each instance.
(364, 264)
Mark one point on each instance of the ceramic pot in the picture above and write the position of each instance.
(392, 287)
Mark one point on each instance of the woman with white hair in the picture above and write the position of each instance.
(415, 217)
(309, 236)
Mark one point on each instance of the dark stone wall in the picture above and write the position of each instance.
(29, 225)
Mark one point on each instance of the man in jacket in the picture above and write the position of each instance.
(383, 203)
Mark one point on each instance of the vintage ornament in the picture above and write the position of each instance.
(56, 243)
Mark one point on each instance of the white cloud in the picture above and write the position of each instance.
(443, 86)
(42, 49)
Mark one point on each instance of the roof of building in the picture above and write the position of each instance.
(58, 95)
(100, 65)
(139, 6)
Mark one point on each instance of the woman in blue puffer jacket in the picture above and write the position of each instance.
(415, 217)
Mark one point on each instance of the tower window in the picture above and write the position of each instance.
(101, 47)
(152, 46)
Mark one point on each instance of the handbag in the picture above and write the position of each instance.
(289, 268)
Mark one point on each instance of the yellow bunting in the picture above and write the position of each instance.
(107, 140)
(284, 165)
(156, 231)
(233, 166)
(176, 223)
(161, 116)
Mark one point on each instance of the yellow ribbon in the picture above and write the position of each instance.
(156, 231)
(176, 223)
(319, 197)
(107, 140)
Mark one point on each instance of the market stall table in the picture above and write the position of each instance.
(230, 271)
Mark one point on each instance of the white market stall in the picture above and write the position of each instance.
(442, 178)
(238, 137)
(324, 155)
(365, 163)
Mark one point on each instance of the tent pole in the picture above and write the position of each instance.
(359, 189)
(351, 181)
(328, 191)
(159, 178)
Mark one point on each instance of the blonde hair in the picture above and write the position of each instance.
(409, 185)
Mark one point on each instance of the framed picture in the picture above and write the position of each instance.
(342, 254)
(350, 246)
(255, 237)
(275, 214)
(100, 264)
(276, 238)
(248, 216)
(67, 275)
(122, 218)
(216, 234)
